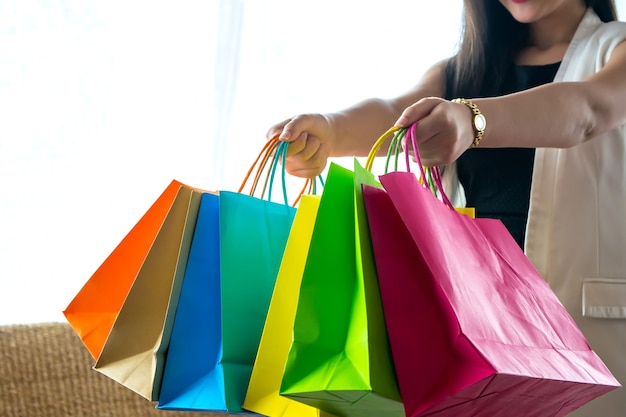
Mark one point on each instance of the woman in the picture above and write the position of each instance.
(547, 77)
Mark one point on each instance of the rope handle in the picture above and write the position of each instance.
(259, 165)
(430, 177)
(369, 162)
(274, 150)
(433, 179)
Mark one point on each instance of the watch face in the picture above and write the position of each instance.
(480, 122)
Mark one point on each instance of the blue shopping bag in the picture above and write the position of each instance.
(233, 262)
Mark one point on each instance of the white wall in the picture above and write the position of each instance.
(102, 103)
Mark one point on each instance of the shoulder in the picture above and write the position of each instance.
(612, 27)
(608, 33)
(596, 43)
(593, 32)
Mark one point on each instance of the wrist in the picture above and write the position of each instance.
(331, 132)
(478, 120)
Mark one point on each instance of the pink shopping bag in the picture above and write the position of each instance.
(474, 329)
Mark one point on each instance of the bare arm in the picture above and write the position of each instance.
(557, 115)
(351, 132)
(560, 115)
(357, 127)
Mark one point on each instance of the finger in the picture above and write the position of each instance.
(309, 168)
(298, 145)
(431, 143)
(305, 171)
(438, 150)
(417, 111)
(295, 126)
(310, 149)
(419, 133)
(276, 129)
(425, 129)
(428, 153)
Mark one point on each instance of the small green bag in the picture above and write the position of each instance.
(340, 360)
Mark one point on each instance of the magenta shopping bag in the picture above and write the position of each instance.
(474, 329)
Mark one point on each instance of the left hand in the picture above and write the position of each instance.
(444, 130)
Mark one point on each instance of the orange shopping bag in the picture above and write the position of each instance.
(94, 309)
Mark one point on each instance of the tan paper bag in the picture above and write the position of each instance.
(133, 353)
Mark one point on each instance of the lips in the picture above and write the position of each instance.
(519, 1)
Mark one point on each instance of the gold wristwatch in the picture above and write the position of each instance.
(479, 122)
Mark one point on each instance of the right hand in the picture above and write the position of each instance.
(310, 138)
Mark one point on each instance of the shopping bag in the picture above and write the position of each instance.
(339, 360)
(262, 395)
(134, 351)
(473, 327)
(144, 275)
(93, 310)
(233, 263)
(202, 277)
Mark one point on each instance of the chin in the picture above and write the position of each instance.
(522, 10)
(525, 18)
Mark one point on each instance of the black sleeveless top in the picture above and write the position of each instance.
(497, 181)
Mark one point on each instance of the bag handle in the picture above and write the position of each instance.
(276, 150)
(434, 173)
(369, 162)
(430, 177)
(258, 166)
(310, 187)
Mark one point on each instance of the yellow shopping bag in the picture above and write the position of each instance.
(262, 395)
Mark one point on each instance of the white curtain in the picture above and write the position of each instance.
(103, 103)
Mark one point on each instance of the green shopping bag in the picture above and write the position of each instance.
(340, 360)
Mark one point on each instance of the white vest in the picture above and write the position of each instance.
(576, 232)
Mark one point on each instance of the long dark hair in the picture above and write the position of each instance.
(490, 39)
